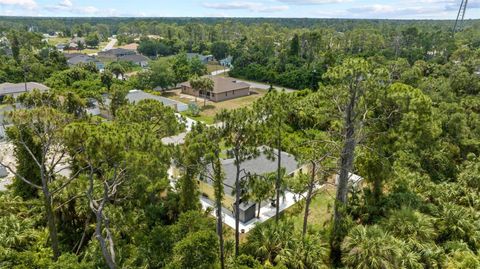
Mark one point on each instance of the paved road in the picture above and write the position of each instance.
(110, 44)
(257, 85)
(264, 86)
(218, 72)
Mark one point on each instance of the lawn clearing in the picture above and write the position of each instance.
(321, 210)
(58, 40)
(208, 112)
(214, 67)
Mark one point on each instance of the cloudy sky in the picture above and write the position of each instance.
(392, 9)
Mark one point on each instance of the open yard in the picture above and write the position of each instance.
(321, 209)
(214, 67)
(208, 112)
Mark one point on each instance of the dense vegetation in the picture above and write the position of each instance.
(396, 102)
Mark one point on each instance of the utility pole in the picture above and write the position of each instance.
(460, 16)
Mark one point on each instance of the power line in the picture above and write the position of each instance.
(460, 16)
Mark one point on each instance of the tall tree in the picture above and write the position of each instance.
(213, 172)
(350, 80)
(239, 128)
(273, 111)
(318, 150)
(46, 126)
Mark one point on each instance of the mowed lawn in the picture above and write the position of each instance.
(214, 67)
(208, 112)
(321, 210)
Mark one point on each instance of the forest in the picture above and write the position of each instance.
(396, 102)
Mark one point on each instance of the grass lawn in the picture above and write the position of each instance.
(321, 210)
(207, 113)
(214, 67)
(88, 50)
(58, 40)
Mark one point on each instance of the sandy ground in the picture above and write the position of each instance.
(6, 156)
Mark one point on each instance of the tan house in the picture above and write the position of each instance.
(224, 89)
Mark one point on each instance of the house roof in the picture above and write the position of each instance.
(223, 84)
(11, 88)
(71, 55)
(116, 52)
(256, 166)
(81, 58)
(136, 58)
(137, 95)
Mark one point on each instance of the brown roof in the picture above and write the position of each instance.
(131, 46)
(223, 84)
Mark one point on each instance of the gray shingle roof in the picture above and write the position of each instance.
(136, 58)
(116, 52)
(135, 96)
(16, 88)
(82, 58)
(260, 165)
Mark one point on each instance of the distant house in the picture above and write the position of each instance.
(134, 96)
(224, 89)
(85, 59)
(71, 55)
(227, 62)
(203, 58)
(16, 89)
(60, 47)
(136, 59)
(72, 46)
(114, 54)
(478, 71)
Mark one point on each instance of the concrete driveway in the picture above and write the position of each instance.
(110, 44)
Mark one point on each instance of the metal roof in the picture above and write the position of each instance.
(14, 88)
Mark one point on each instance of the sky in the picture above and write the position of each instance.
(393, 9)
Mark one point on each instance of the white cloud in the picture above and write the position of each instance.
(66, 3)
(67, 6)
(313, 2)
(392, 12)
(27, 4)
(255, 7)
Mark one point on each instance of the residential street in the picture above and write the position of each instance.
(264, 86)
(110, 44)
(218, 72)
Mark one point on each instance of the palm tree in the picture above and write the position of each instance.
(411, 225)
(369, 247)
(308, 253)
(267, 240)
(202, 84)
(260, 188)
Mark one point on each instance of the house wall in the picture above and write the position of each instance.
(189, 90)
(231, 94)
(218, 97)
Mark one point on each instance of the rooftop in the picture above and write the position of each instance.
(116, 51)
(256, 166)
(12, 88)
(81, 58)
(137, 95)
(133, 58)
(223, 84)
